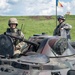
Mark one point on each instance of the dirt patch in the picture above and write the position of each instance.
(41, 17)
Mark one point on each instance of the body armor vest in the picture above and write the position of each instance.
(14, 32)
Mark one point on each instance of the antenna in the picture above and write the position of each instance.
(21, 27)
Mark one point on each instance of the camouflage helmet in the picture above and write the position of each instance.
(12, 21)
(61, 17)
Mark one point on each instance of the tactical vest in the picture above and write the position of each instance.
(57, 30)
(14, 32)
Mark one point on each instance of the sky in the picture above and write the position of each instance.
(35, 7)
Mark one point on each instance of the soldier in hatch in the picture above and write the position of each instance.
(62, 28)
(14, 31)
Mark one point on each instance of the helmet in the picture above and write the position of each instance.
(61, 17)
(12, 20)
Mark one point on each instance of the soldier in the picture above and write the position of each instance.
(14, 31)
(63, 29)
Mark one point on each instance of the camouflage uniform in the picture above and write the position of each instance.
(63, 26)
(15, 32)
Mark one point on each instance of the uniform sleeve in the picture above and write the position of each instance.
(22, 35)
(67, 26)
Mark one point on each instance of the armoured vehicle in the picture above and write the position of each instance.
(42, 55)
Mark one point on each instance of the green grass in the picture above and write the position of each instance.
(33, 26)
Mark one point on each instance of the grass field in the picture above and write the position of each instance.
(36, 25)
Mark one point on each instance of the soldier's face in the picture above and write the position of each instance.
(13, 26)
(60, 20)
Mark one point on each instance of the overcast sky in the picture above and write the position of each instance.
(35, 7)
